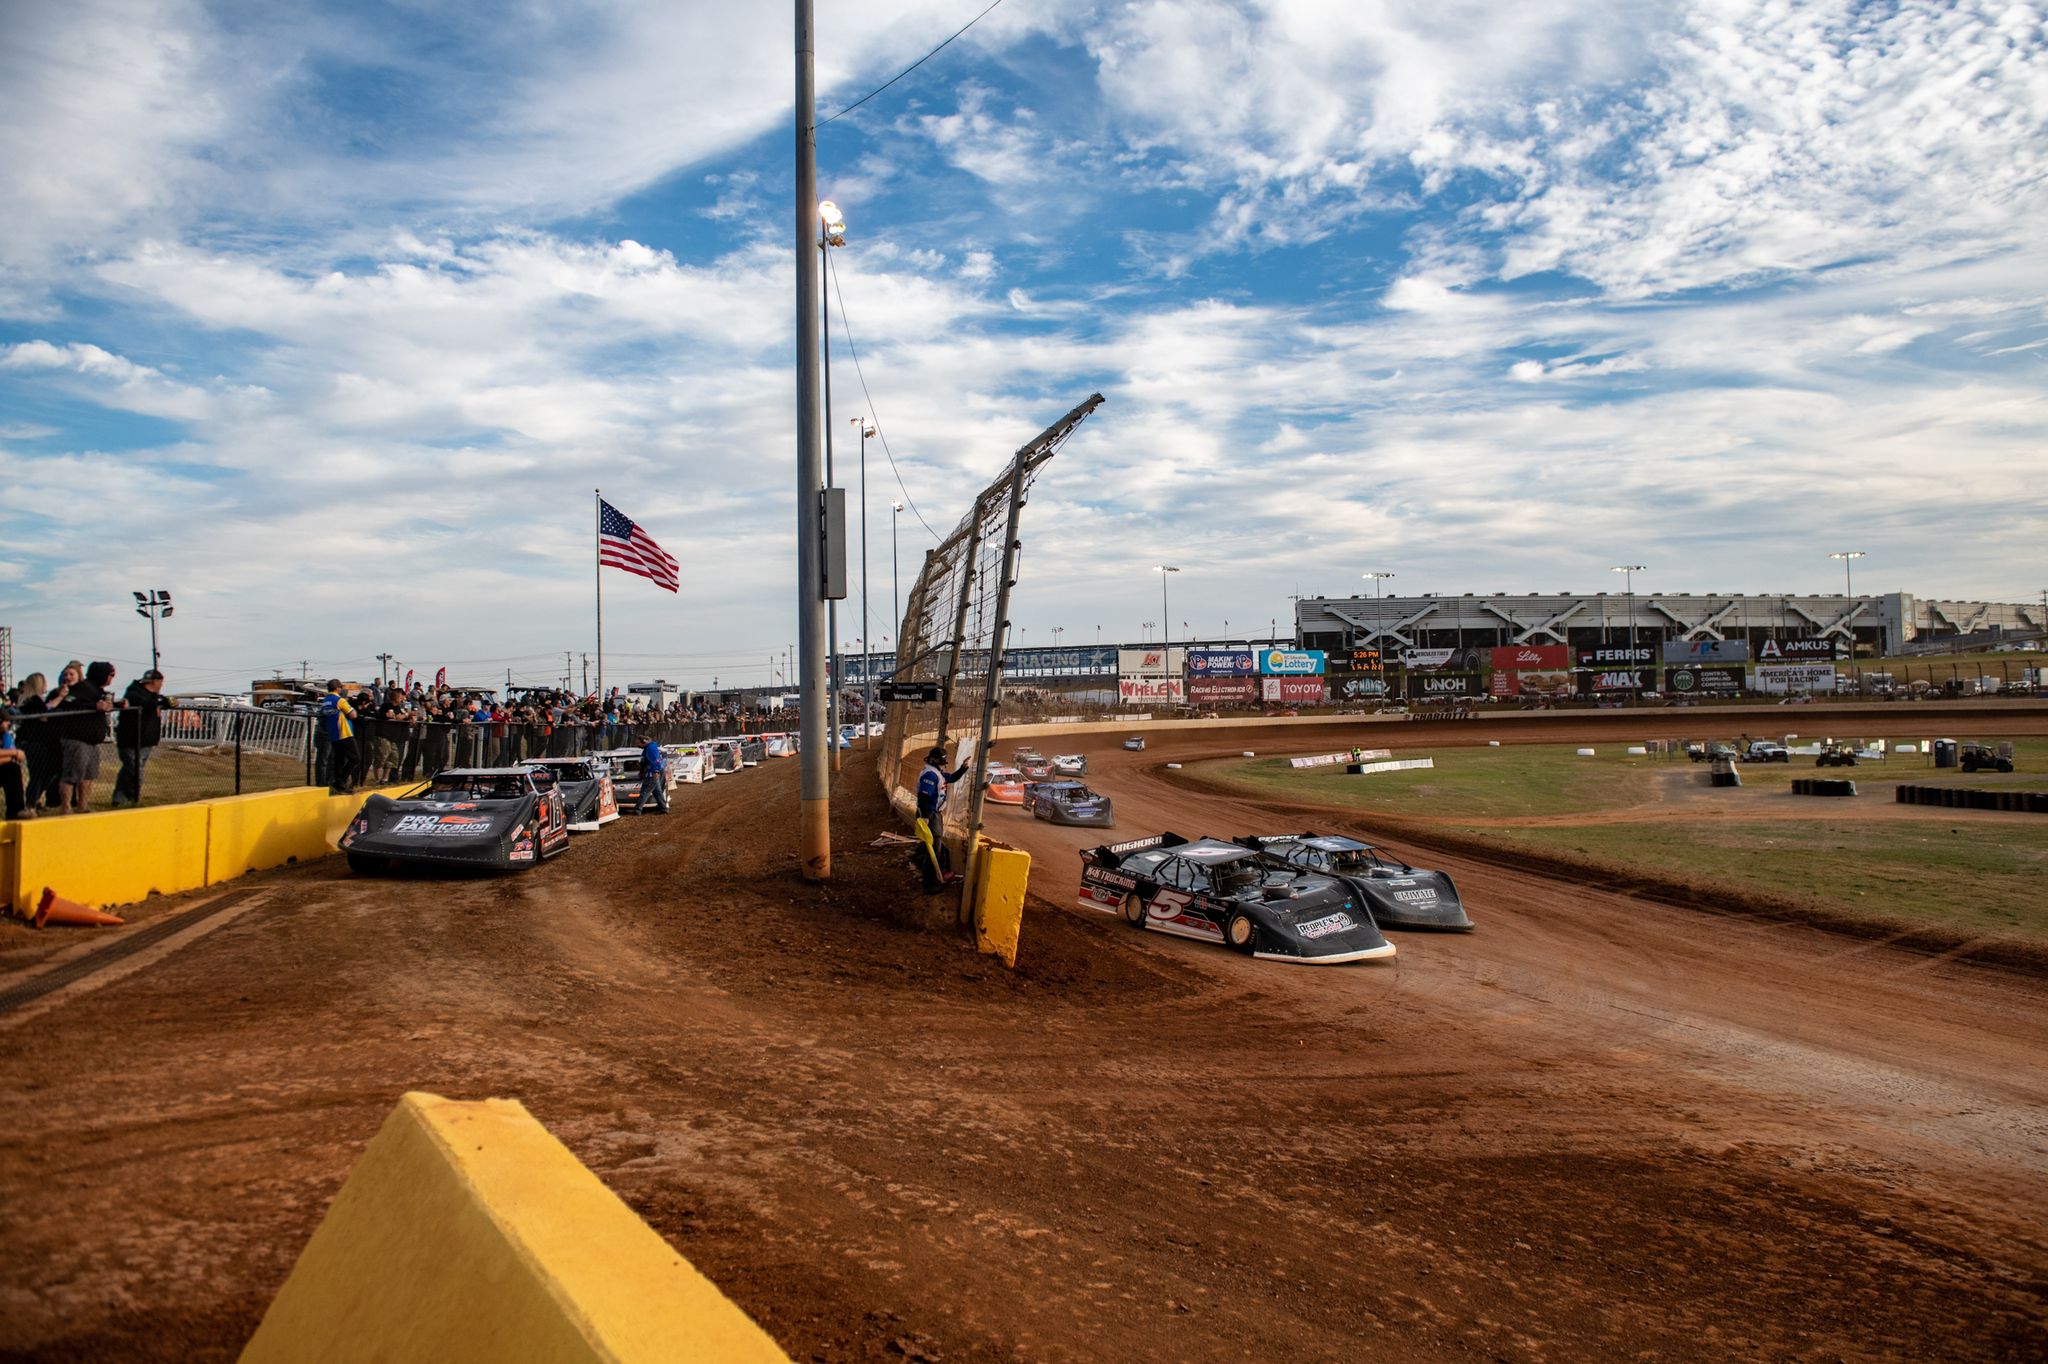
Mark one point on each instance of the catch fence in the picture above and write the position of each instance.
(953, 630)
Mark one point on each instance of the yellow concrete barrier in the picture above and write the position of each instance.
(113, 858)
(466, 1233)
(1002, 874)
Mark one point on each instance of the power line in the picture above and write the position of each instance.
(846, 326)
(906, 70)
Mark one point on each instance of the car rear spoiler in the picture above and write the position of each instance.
(1110, 853)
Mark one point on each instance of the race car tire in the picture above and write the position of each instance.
(1241, 933)
(2005, 764)
(362, 864)
(1134, 911)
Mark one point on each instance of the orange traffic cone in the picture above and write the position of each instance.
(55, 909)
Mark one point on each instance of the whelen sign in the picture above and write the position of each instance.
(1133, 691)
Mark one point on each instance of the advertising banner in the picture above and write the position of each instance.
(1549, 683)
(1157, 662)
(1532, 658)
(1605, 680)
(1697, 681)
(1706, 651)
(1223, 662)
(1798, 650)
(1356, 755)
(1295, 691)
(1223, 691)
(1791, 679)
(1422, 686)
(1291, 662)
(1619, 657)
(1425, 660)
(1357, 687)
(1154, 690)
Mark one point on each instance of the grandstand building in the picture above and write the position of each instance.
(1888, 624)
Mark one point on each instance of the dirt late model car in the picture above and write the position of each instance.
(1069, 802)
(1070, 764)
(1135, 744)
(466, 816)
(1399, 896)
(1005, 784)
(586, 785)
(1225, 892)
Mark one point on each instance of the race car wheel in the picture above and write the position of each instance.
(362, 864)
(1134, 911)
(1241, 933)
(2005, 764)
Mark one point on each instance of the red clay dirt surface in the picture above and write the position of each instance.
(1600, 1127)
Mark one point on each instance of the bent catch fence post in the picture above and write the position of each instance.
(955, 623)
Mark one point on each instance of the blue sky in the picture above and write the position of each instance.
(330, 317)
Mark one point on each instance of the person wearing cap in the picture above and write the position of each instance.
(931, 818)
(137, 731)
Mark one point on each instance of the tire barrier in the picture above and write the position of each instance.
(1964, 798)
(1823, 786)
(1725, 773)
(1399, 765)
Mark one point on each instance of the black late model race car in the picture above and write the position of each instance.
(586, 785)
(1227, 893)
(1068, 802)
(1399, 895)
(466, 816)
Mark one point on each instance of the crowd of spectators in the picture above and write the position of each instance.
(51, 738)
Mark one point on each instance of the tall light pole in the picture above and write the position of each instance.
(1628, 581)
(831, 233)
(867, 668)
(1847, 556)
(1166, 572)
(895, 589)
(815, 820)
(155, 604)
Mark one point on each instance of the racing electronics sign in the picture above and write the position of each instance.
(1222, 663)
(1223, 691)
(1291, 662)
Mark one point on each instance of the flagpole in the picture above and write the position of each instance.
(597, 550)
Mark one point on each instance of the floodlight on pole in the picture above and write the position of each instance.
(1165, 572)
(1848, 557)
(156, 605)
(1628, 581)
(1379, 621)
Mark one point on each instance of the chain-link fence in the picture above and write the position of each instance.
(953, 632)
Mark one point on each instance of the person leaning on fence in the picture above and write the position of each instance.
(85, 706)
(138, 729)
(934, 863)
(336, 716)
(13, 771)
(37, 739)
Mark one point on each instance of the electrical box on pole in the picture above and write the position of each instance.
(832, 543)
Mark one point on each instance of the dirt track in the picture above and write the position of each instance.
(1596, 1128)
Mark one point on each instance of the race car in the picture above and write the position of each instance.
(1037, 767)
(1135, 744)
(1026, 754)
(753, 748)
(586, 786)
(724, 755)
(625, 765)
(1068, 802)
(1223, 892)
(1399, 896)
(1070, 765)
(686, 763)
(779, 745)
(1005, 784)
(505, 817)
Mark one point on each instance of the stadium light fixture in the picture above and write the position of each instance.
(1379, 623)
(156, 605)
(1848, 557)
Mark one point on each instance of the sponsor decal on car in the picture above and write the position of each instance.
(1325, 926)
(1414, 895)
(442, 826)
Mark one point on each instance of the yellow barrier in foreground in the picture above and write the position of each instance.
(468, 1233)
(1002, 876)
(117, 857)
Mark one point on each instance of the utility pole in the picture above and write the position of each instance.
(586, 674)
(304, 663)
(384, 669)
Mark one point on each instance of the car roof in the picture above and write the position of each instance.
(1212, 851)
(1334, 843)
(481, 772)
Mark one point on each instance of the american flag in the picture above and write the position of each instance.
(621, 544)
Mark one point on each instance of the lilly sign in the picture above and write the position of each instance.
(1291, 662)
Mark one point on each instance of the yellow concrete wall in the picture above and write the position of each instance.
(112, 858)
(1002, 875)
(117, 857)
(466, 1234)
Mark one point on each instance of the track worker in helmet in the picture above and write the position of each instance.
(932, 859)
